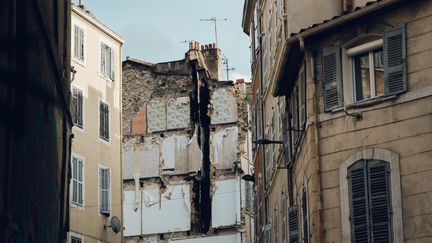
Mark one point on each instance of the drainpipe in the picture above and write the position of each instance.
(316, 136)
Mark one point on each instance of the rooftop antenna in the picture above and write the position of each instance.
(214, 20)
(227, 69)
(185, 41)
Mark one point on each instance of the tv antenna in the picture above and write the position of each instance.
(227, 68)
(185, 41)
(214, 20)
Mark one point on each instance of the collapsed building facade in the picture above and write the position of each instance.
(185, 137)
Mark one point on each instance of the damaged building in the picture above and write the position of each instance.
(185, 136)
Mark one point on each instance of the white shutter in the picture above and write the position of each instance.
(104, 188)
(103, 59)
(112, 66)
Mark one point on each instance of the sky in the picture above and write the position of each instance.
(156, 30)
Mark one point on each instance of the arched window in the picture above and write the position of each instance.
(371, 197)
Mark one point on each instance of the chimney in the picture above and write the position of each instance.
(81, 4)
(213, 60)
(348, 5)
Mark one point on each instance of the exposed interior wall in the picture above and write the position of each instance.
(182, 126)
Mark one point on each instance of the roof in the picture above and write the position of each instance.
(293, 44)
(135, 60)
(88, 16)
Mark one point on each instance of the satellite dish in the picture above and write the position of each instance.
(115, 224)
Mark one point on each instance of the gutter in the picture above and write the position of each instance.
(289, 42)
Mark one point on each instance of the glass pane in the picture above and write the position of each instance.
(379, 72)
(80, 193)
(74, 191)
(362, 77)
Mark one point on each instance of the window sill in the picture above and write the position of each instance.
(366, 103)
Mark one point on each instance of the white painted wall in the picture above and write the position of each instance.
(226, 203)
(234, 238)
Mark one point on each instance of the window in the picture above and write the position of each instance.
(370, 197)
(75, 239)
(293, 224)
(77, 107)
(283, 213)
(369, 201)
(77, 181)
(275, 225)
(305, 216)
(78, 43)
(368, 69)
(378, 69)
(104, 121)
(104, 190)
(107, 61)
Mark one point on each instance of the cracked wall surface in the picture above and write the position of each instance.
(163, 143)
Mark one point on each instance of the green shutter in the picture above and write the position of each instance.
(332, 78)
(395, 61)
(293, 224)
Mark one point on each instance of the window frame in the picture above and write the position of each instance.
(84, 50)
(100, 169)
(395, 190)
(101, 138)
(77, 204)
(366, 48)
(82, 127)
(76, 236)
(111, 76)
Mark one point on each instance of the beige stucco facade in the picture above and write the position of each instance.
(394, 128)
(86, 221)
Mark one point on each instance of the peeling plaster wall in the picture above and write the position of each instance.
(226, 203)
(224, 148)
(154, 204)
(162, 143)
(234, 238)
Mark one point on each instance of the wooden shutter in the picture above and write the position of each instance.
(293, 226)
(370, 201)
(104, 190)
(286, 135)
(332, 78)
(101, 119)
(267, 233)
(302, 97)
(74, 179)
(395, 61)
(379, 200)
(103, 59)
(80, 109)
(305, 216)
(111, 63)
(359, 203)
(74, 106)
(76, 42)
(107, 134)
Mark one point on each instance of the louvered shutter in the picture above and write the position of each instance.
(74, 106)
(104, 190)
(79, 108)
(103, 60)
(395, 61)
(332, 78)
(293, 226)
(101, 119)
(111, 64)
(359, 202)
(74, 179)
(379, 201)
(107, 135)
(76, 42)
(267, 233)
(286, 137)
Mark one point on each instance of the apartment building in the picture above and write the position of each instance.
(96, 184)
(341, 149)
(185, 144)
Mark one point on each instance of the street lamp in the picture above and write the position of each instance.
(249, 177)
(267, 141)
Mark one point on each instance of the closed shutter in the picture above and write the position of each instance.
(101, 119)
(395, 61)
(369, 201)
(302, 97)
(286, 137)
(104, 121)
(104, 190)
(80, 109)
(305, 216)
(74, 106)
(332, 78)
(267, 233)
(74, 179)
(293, 226)
(379, 201)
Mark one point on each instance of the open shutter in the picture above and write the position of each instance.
(107, 134)
(286, 136)
(359, 202)
(394, 61)
(79, 109)
(332, 78)
(74, 106)
(101, 119)
(379, 201)
(111, 64)
(293, 226)
(103, 59)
